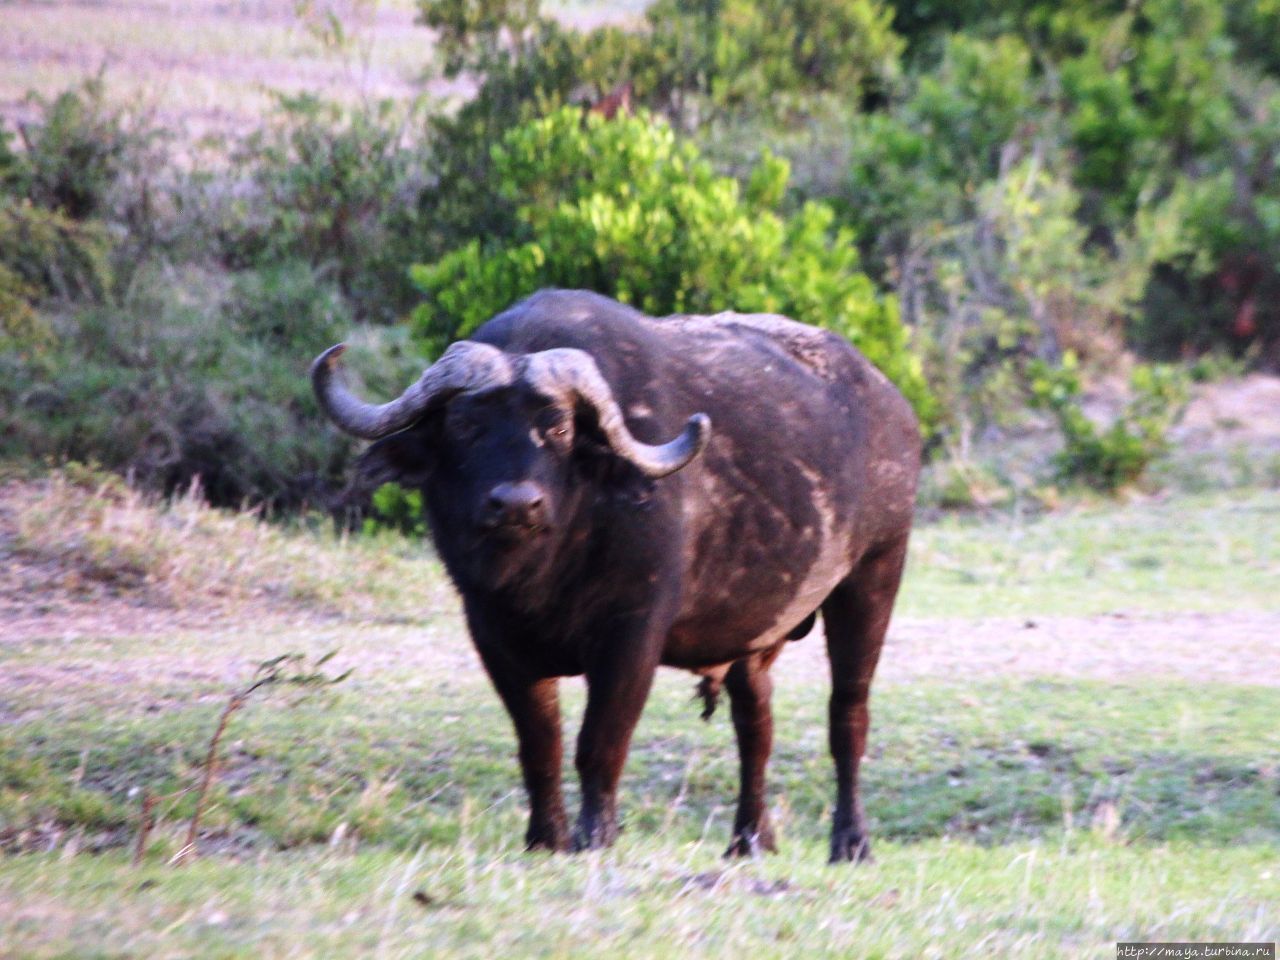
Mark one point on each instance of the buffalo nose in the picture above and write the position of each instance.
(515, 505)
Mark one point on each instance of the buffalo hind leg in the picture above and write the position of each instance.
(856, 617)
(750, 688)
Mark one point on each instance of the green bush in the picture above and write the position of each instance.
(624, 208)
(81, 150)
(333, 185)
(1138, 113)
(395, 508)
(191, 376)
(746, 52)
(46, 256)
(55, 192)
(1112, 458)
(729, 65)
(915, 166)
(78, 212)
(53, 255)
(728, 53)
(163, 333)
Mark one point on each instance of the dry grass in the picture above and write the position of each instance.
(208, 67)
(92, 535)
(83, 550)
(208, 71)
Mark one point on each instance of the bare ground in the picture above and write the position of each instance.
(1212, 648)
(1232, 412)
(208, 647)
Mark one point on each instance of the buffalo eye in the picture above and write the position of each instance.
(554, 426)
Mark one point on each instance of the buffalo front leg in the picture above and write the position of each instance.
(618, 684)
(534, 706)
(856, 617)
(750, 688)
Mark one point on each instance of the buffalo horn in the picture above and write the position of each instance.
(466, 365)
(574, 371)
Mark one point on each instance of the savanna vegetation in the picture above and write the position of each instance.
(1051, 223)
(1084, 752)
(1000, 206)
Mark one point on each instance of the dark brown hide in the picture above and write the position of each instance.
(575, 557)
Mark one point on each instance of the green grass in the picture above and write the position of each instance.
(1029, 817)
(1072, 897)
(993, 762)
(1209, 552)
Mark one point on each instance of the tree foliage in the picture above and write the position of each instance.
(625, 208)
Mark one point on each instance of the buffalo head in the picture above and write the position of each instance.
(503, 445)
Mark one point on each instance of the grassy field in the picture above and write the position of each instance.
(1210, 552)
(1105, 787)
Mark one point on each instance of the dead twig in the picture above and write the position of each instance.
(145, 823)
(273, 672)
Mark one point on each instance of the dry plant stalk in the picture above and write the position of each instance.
(145, 823)
(271, 672)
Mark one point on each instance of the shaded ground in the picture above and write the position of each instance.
(1217, 648)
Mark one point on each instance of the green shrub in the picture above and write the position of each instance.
(50, 254)
(624, 208)
(45, 255)
(746, 52)
(77, 207)
(1112, 458)
(333, 185)
(518, 86)
(729, 53)
(189, 376)
(155, 359)
(81, 150)
(701, 65)
(395, 508)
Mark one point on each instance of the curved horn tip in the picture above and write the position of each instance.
(681, 451)
(329, 359)
(699, 427)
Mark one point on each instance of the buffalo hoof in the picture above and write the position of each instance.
(849, 846)
(550, 839)
(752, 844)
(596, 836)
(547, 845)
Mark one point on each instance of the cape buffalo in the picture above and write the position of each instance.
(611, 491)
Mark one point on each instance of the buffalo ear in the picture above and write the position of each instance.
(405, 458)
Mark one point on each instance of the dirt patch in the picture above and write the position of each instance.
(1244, 412)
(1208, 648)
(1211, 648)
